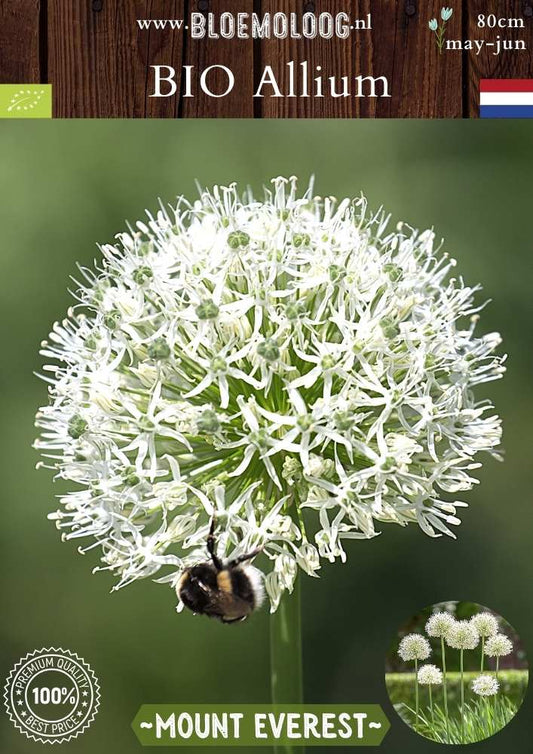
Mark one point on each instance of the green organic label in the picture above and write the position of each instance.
(25, 100)
(260, 725)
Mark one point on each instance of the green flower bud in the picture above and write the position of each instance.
(208, 423)
(218, 364)
(295, 309)
(91, 343)
(142, 274)
(159, 349)
(389, 327)
(269, 349)
(260, 438)
(234, 240)
(336, 273)
(263, 295)
(343, 420)
(328, 362)
(97, 293)
(76, 426)
(301, 239)
(238, 238)
(304, 422)
(145, 424)
(112, 319)
(131, 478)
(207, 310)
(393, 271)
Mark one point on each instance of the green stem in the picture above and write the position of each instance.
(286, 656)
(416, 694)
(482, 652)
(431, 705)
(445, 688)
(440, 36)
(462, 700)
(496, 705)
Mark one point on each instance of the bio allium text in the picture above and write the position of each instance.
(292, 80)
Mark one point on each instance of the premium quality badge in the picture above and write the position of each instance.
(51, 695)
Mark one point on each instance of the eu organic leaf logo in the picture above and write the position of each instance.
(25, 99)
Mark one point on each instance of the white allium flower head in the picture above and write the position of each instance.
(498, 646)
(254, 357)
(430, 675)
(414, 647)
(439, 624)
(486, 624)
(485, 685)
(462, 635)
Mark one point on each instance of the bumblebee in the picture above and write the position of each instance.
(228, 591)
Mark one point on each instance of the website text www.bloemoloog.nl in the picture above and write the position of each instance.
(266, 26)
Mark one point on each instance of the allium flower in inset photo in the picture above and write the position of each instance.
(487, 626)
(498, 646)
(439, 624)
(485, 623)
(485, 685)
(430, 675)
(463, 635)
(441, 698)
(414, 647)
(264, 362)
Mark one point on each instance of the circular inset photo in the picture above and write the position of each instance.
(456, 673)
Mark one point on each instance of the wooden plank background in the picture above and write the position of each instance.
(98, 60)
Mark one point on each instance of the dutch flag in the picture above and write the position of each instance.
(506, 98)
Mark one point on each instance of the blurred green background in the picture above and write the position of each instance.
(66, 185)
